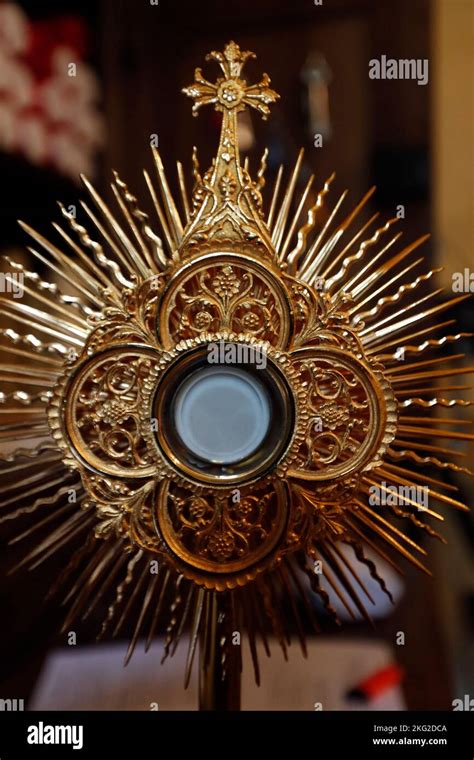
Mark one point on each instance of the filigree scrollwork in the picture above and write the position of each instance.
(320, 319)
(228, 293)
(218, 535)
(350, 414)
(326, 518)
(102, 420)
(124, 509)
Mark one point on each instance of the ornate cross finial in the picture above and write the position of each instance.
(230, 92)
(226, 202)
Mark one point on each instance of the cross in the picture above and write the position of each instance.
(231, 93)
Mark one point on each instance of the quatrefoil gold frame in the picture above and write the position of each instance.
(112, 440)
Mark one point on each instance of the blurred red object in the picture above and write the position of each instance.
(48, 93)
(46, 36)
(378, 683)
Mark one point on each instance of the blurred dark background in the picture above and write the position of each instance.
(414, 141)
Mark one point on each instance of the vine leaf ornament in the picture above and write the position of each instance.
(91, 382)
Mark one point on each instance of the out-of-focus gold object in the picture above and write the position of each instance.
(327, 312)
(316, 76)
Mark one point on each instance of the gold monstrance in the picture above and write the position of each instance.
(233, 478)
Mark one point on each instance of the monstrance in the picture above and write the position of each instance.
(220, 399)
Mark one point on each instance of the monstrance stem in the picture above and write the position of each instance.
(219, 657)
